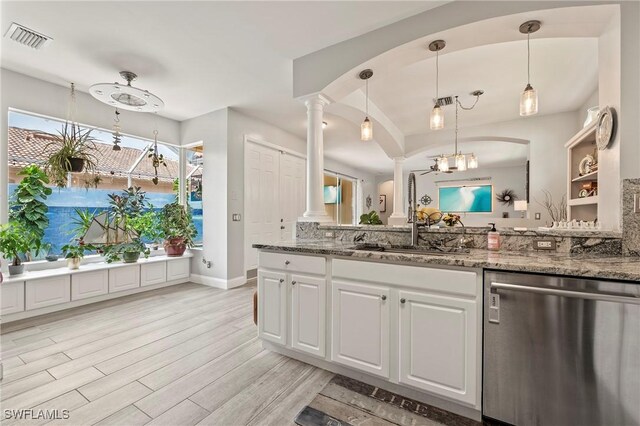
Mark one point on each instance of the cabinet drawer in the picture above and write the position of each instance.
(153, 273)
(89, 284)
(178, 269)
(12, 298)
(124, 278)
(293, 262)
(464, 283)
(47, 291)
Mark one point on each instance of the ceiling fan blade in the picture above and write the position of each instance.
(427, 172)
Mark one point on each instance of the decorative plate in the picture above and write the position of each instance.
(586, 165)
(605, 127)
(583, 193)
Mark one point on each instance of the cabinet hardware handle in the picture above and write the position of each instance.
(286, 262)
(293, 283)
(281, 280)
(403, 300)
(383, 297)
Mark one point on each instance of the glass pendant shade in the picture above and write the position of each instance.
(461, 162)
(473, 162)
(443, 164)
(528, 101)
(436, 121)
(366, 130)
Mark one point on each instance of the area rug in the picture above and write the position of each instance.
(348, 402)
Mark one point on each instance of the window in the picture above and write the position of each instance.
(117, 170)
(195, 164)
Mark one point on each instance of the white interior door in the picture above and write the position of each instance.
(292, 194)
(262, 188)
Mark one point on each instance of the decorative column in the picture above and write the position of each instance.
(398, 217)
(315, 161)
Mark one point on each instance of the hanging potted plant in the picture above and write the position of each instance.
(71, 152)
(14, 242)
(178, 229)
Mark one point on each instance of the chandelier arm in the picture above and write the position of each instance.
(468, 108)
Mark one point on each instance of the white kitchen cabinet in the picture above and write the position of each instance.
(178, 269)
(438, 344)
(89, 284)
(12, 295)
(308, 313)
(272, 306)
(360, 330)
(153, 273)
(124, 278)
(47, 291)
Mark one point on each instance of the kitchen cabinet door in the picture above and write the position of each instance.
(178, 269)
(360, 330)
(308, 307)
(12, 298)
(45, 292)
(89, 284)
(124, 278)
(153, 273)
(272, 306)
(438, 349)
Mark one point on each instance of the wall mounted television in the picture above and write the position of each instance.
(465, 199)
(332, 194)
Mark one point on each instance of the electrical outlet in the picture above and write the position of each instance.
(544, 244)
(235, 217)
(329, 234)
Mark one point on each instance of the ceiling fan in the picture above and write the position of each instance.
(432, 169)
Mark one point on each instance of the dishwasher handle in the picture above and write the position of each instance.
(567, 293)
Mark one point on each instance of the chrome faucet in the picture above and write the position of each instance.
(412, 217)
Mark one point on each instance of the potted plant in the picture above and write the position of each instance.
(27, 204)
(74, 254)
(71, 152)
(128, 252)
(371, 218)
(178, 229)
(14, 241)
(147, 226)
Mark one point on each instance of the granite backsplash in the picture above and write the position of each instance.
(630, 219)
(594, 242)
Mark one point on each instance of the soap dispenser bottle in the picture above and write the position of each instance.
(493, 238)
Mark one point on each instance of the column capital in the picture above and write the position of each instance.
(399, 159)
(316, 99)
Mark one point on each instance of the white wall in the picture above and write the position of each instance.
(384, 188)
(211, 130)
(546, 134)
(500, 177)
(22, 92)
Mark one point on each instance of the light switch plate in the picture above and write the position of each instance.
(537, 216)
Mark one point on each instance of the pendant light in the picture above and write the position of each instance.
(473, 162)
(529, 97)
(366, 128)
(436, 120)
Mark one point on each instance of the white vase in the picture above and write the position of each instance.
(74, 262)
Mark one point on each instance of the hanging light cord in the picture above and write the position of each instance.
(528, 58)
(456, 139)
(437, 75)
(366, 106)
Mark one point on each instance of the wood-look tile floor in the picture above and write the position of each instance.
(181, 355)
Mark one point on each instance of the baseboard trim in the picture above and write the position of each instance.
(218, 282)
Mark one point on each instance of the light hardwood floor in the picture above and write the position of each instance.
(181, 355)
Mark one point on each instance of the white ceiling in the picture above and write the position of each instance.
(564, 71)
(197, 56)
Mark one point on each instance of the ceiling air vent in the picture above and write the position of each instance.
(27, 36)
(447, 100)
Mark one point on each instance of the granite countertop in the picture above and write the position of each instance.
(579, 265)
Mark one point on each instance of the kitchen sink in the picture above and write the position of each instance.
(430, 250)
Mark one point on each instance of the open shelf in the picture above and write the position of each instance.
(583, 201)
(588, 177)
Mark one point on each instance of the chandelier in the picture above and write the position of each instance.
(457, 161)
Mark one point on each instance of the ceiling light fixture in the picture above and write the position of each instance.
(529, 97)
(436, 120)
(125, 96)
(460, 162)
(366, 128)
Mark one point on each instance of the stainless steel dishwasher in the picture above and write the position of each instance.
(560, 351)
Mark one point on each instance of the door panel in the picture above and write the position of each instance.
(292, 190)
(360, 337)
(272, 306)
(438, 344)
(308, 307)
